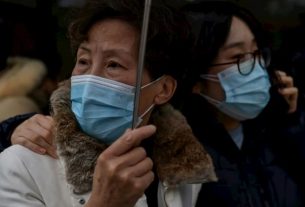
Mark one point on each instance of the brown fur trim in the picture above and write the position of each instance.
(78, 151)
(178, 156)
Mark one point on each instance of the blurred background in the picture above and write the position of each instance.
(38, 27)
(37, 30)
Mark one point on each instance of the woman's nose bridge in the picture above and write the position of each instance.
(97, 65)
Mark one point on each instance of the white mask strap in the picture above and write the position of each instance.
(153, 82)
(211, 100)
(140, 118)
(210, 77)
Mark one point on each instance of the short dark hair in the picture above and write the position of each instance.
(212, 21)
(168, 41)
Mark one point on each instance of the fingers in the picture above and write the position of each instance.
(286, 80)
(52, 151)
(126, 185)
(132, 157)
(123, 169)
(291, 96)
(36, 147)
(129, 140)
(30, 145)
(141, 168)
(142, 183)
(36, 133)
(288, 91)
(140, 172)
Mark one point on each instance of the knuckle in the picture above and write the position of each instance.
(126, 178)
(143, 183)
(107, 165)
(34, 138)
(149, 162)
(151, 177)
(46, 133)
(128, 138)
(101, 160)
(36, 117)
(139, 187)
(52, 123)
(22, 142)
(290, 79)
(112, 168)
(142, 152)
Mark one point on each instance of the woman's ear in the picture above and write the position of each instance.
(168, 87)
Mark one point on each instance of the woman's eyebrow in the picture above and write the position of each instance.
(236, 44)
(233, 45)
(83, 47)
(117, 52)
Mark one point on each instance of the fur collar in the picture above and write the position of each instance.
(178, 156)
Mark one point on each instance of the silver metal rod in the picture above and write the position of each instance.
(141, 62)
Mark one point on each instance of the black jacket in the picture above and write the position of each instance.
(8, 126)
(262, 174)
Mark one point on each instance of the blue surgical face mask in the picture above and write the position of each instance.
(245, 95)
(103, 107)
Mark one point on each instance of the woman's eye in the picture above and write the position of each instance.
(82, 62)
(239, 57)
(114, 65)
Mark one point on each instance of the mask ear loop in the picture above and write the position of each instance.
(210, 77)
(213, 78)
(210, 99)
(153, 82)
(140, 118)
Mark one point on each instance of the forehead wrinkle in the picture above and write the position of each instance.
(117, 47)
(85, 48)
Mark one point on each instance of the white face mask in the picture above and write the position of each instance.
(103, 107)
(246, 95)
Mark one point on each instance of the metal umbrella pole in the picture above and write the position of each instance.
(141, 61)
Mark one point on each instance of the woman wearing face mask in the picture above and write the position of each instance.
(102, 162)
(232, 98)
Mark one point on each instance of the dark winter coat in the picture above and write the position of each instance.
(260, 174)
(8, 126)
